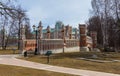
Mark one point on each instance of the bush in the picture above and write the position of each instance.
(107, 49)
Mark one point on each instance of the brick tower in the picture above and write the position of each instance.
(63, 37)
(83, 38)
(40, 38)
(40, 30)
(22, 38)
(94, 38)
(48, 32)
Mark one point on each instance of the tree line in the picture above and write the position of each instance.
(105, 19)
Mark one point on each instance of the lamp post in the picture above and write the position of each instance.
(36, 31)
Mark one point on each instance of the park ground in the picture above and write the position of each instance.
(7, 70)
(72, 60)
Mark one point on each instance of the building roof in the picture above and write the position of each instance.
(53, 30)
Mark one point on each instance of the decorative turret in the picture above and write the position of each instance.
(75, 33)
(63, 32)
(70, 32)
(48, 32)
(83, 38)
(40, 30)
(22, 32)
(22, 38)
(94, 38)
(40, 37)
(63, 37)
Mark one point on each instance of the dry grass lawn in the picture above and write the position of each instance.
(4, 52)
(70, 60)
(6, 70)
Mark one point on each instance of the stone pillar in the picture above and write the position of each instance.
(40, 37)
(83, 38)
(40, 30)
(22, 38)
(63, 32)
(63, 37)
(70, 32)
(48, 32)
(75, 33)
(94, 38)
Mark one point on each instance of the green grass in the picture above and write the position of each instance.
(6, 70)
(70, 60)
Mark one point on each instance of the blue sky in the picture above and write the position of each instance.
(70, 12)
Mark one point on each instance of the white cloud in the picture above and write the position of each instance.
(49, 11)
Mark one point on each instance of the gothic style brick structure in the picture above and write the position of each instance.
(64, 39)
(55, 33)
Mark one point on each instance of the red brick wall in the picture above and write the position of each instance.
(51, 44)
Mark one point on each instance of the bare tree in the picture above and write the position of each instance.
(15, 17)
(108, 14)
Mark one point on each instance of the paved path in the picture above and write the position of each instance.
(11, 60)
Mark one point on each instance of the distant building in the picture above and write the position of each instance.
(60, 39)
(55, 33)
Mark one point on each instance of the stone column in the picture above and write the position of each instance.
(83, 38)
(63, 32)
(75, 33)
(63, 37)
(22, 39)
(40, 30)
(48, 32)
(40, 37)
(94, 40)
(70, 32)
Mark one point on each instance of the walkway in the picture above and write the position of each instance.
(11, 60)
